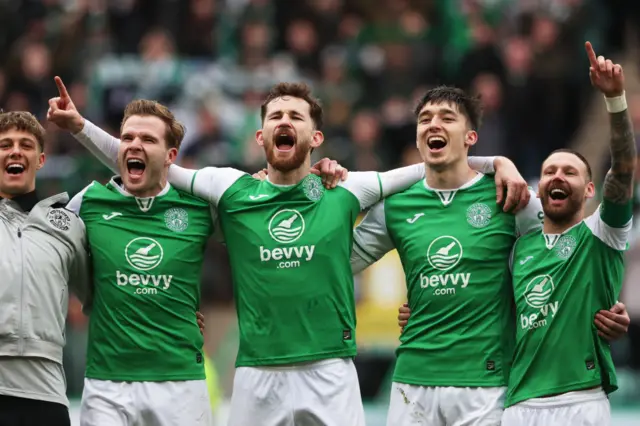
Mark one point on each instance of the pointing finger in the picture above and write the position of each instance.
(62, 89)
(591, 54)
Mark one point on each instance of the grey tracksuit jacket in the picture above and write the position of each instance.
(43, 256)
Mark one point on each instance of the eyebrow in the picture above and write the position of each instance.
(141, 134)
(443, 111)
(19, 140)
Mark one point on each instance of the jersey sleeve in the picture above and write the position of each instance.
(80, 282)
(611, 223)
(75, 204)
(483, 165)
(530, 218)
(371, 187)
(209, 183)
(371, 240)
(100, 143)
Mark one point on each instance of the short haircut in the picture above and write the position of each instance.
(174, 129)
(22, 121)
(468, 105)
(294, 90)
(577, 154)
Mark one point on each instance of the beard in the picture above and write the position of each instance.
(565, 214)
(300, 151)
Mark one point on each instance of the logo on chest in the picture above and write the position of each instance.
(479, 215)
(537, 294)
(443, 254)
(176, 219)
(286, 227)
(59, 218)
(144, 254)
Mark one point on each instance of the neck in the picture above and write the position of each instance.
(290, 177)
(5, 195)
(452, 176)
(551, 227)
(148, 192)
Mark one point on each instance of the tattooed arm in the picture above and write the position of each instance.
(618, 183)
(608, 78)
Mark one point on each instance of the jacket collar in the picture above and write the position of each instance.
(26, 201)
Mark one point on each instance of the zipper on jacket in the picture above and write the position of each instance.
(21, 328)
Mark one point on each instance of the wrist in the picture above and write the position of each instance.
(78, 126)
(616, 103)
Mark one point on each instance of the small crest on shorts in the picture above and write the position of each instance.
(198, 358)
(59, 218)
(346, 335)
(312, 187)
(590, 365)
(478, 215)
(491, 365)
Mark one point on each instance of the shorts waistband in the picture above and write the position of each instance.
(569, 398)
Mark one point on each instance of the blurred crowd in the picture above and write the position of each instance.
(212, 62)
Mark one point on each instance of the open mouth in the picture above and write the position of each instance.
(285, 140)
(436, 143)
(136, 166)
(558, 194)
(15, 168)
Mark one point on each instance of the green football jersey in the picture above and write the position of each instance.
(289, 248)
(454, 247)
(147, 256)
(560, 282)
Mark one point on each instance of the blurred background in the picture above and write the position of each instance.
(212, 61)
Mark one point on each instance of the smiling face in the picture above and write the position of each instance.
(144, 157)
(288, 133)
(20, 158)
(443, 134)
(565, 186)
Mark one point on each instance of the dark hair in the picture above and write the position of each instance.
(175, 130)
(22, 121)
(468, 105)
(294, 90)
(577, 154)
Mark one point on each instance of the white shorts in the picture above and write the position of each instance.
(107, 403)
(445, 406)
(582, 408)
(324, 393)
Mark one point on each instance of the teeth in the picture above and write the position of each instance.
(557, 191)
(134, 161)
(15, 167)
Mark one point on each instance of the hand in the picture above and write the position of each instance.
(330, 171)
(614, 323)
(404, 312)
(63, 112)
(604, 74)
(261, 175)
(200, 319)
(507, 177)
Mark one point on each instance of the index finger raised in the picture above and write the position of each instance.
(62, 89)
(591, 54)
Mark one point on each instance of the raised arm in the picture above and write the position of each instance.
(608, 78)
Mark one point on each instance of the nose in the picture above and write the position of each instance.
(16, 151)
(435, 124)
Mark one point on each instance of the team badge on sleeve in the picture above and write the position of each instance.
(176, 219)
(59, 219)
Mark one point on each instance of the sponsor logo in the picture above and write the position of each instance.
(415, 217)
(257, 197)
(59, 218)
(526, 259)
(443, 254)
(478, 215)
(176, 219)
(144, 254)
(286, 227)
(111, 216)
(536, 295)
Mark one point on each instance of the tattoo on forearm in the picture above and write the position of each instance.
(618, 182)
